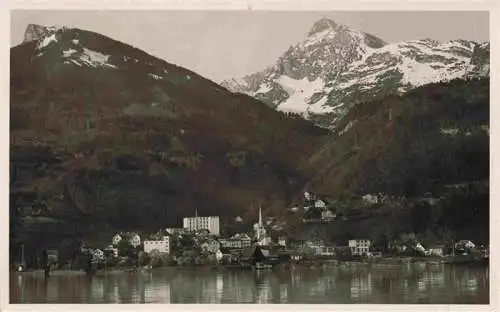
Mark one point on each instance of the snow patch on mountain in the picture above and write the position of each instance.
(69, 52)
(300, 93)
(335, 67)
(46, 41)
(95, 59)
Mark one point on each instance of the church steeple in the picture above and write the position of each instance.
(260, 217)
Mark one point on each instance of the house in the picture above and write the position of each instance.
(295, 256)
(319, 204)
(210, 246)
(435, 250)
(465, 245)
(174, 231)
(163, 245)
(229, 256)
(237, 241)
(202, 232)
(326, 251)
(370, 199)
(116, 239)
(314, 247)
(219, 255)
(417, 246)
(375, 253)
(264, 241)
(111, 250)
(282, 241)
(98, 255)
(327, 215)
(359, 247)
(135, 240)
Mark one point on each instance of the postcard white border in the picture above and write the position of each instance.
(277, 5)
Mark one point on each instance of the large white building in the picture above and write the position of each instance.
(202, 223)
(162, 245)
(360, 247)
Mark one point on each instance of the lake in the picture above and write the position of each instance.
(407, 284)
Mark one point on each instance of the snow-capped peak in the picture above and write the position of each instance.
(36, 32)
(70, 48)
(336, 66)
(322, 25)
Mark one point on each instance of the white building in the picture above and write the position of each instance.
(116, 239)
(162, 245)
(360, 247)
(237, 241)
(219, 255)
(282, 241)
(202, 223)
(135, 240)
(320, 204)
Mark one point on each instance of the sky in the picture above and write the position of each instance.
(231, 44)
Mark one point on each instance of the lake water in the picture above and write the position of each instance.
(437, 284)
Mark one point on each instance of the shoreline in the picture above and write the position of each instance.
(311, 264)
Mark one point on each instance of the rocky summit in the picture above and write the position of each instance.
(336, 67)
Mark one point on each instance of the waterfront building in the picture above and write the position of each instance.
(359, 247)
(202, 223)
(162, 245)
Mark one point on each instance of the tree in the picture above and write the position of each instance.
(125, 249)
(68, 250)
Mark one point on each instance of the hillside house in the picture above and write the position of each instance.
(320, 204)
(282, 241)
(359, 247)
(327, 215)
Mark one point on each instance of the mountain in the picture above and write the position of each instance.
(423, 156)
(105, 136)
(335, 67)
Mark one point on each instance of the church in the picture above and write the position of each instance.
(260, 234)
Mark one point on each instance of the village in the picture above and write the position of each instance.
(199, 243)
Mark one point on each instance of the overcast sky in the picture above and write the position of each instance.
(225, 44)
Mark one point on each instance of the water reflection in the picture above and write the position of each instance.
(399, 284)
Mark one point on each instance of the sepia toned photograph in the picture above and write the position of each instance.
(261, 157)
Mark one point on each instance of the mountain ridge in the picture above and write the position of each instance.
(105, 136)
(334, 68)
